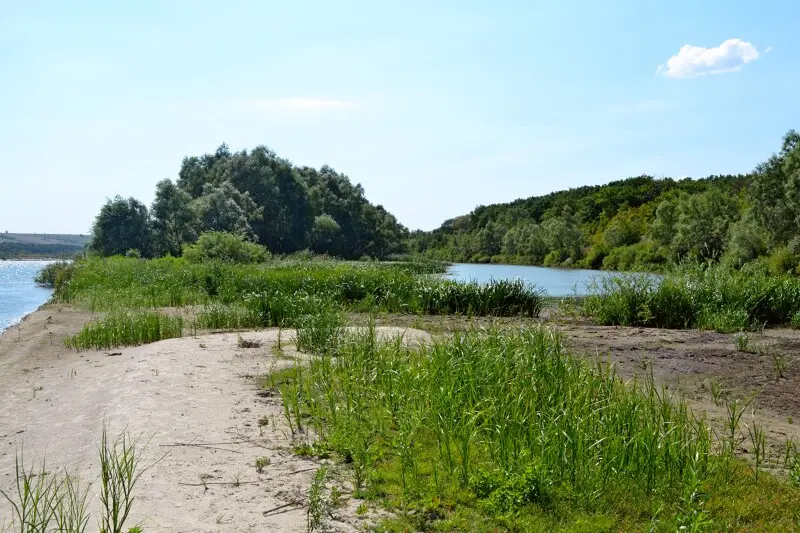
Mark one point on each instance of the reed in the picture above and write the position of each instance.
(707, 296)
(126, 328)
(282, 290)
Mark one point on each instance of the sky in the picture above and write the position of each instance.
(434, 107)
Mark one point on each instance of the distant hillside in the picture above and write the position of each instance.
(33, 245)
(638, 223)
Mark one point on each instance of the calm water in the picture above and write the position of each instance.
(556, 281)
(19, 295)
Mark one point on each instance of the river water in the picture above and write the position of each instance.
(19, 295)
(556, 281)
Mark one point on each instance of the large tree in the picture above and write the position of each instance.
(225, 208)
(174, 218)
(122, 225)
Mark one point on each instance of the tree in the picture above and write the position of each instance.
(173, 218)
(774, 191)
(702, 225)
(326, 235)
(122, 225)
(223, 208)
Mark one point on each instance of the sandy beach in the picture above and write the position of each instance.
(198, 403)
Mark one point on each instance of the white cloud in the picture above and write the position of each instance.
(295, 104)
(692, 61)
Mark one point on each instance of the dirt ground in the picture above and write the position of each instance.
(199, 403)
(196, 400)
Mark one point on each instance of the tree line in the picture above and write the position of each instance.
(639, 223)
(255, 195)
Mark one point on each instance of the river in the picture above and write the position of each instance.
(556, 281)
(19, 295)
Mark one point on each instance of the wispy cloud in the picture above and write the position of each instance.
(295, 104)
(692, 61)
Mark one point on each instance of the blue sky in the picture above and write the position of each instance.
(434, 107)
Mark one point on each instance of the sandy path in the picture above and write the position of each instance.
(191, 390)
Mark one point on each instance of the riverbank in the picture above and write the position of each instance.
(209, 415)
(179, 395)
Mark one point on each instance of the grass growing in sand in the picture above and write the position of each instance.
(54, 501)
(491, 430)
(126, 328)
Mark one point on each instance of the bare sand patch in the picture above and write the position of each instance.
(196, 400)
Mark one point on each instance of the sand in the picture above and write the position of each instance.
(195, 400)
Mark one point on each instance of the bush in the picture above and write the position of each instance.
(222, 246)
(782, 261)
(53, 274)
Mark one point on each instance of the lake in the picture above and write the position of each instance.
(556, 281)
(19, 295)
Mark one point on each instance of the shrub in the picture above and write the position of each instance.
(53, 274)
(227, 247)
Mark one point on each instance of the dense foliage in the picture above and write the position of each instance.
(707, 296)
(507, 431)
(279, 291)
(639, 223)
(258, 196)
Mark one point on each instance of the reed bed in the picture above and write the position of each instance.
(696, 296)
(285, 289)
(126, 328)
(488, 430)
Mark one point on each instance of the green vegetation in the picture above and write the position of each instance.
(52, 273)
(126, 328)
(487, 430)
(47, 500)
(220, 246)
(279, 291)
(257, 196)
(641, 223)
(706, 296)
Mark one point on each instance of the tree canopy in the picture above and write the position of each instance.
(641, 222)
(255, 195)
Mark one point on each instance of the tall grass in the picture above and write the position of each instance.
(126, 328)
(696, 296)
(47, 501)
(280, 290)
(509, 418)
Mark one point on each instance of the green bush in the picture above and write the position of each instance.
(227, 247)
(54, 274)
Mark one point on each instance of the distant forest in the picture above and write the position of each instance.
(40, 245)
(638, 223)
(258, 196)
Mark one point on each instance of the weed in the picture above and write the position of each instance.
(120, 469)
(742, 341)
(261, 463)
(317, 505)
(781, 364)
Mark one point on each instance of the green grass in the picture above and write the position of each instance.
(696, 296)
(492, 430)
(126, 328)
(49, 500)
(280, 291)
